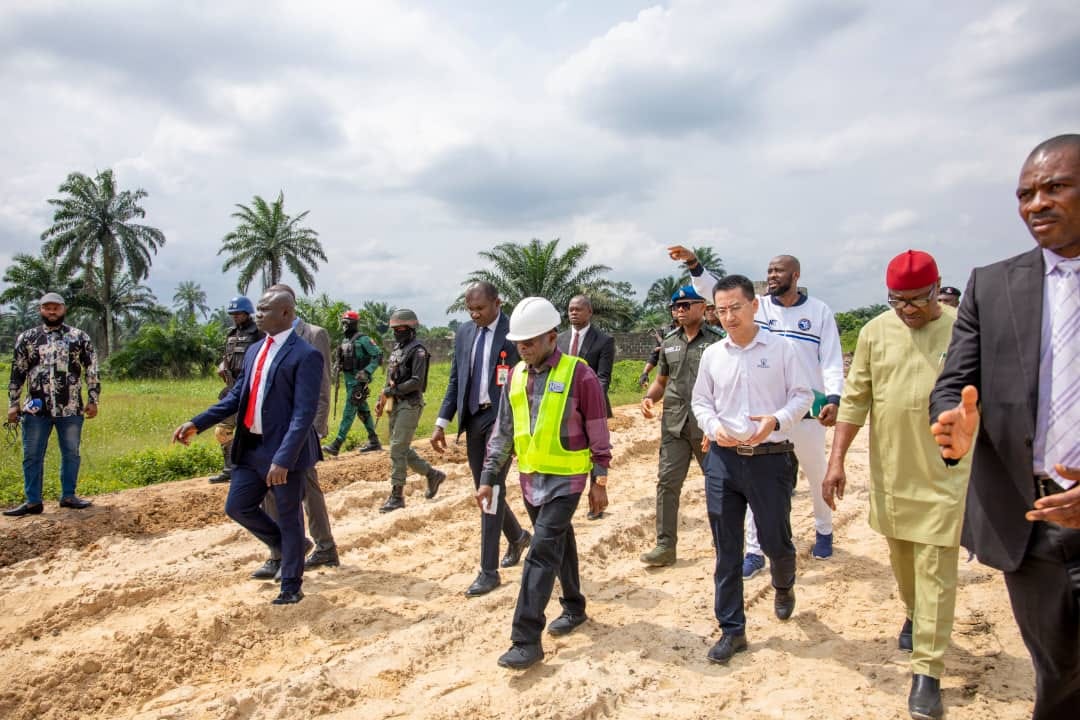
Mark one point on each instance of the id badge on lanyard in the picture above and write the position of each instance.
(502, 370)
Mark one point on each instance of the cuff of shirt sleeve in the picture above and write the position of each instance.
(832, 399)
(442, 423)
(697, 270)
(487, 478)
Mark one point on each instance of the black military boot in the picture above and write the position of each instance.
(333, 448)
(396, 501)
(373, 445)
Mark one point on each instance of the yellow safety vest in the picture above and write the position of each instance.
(541, 450)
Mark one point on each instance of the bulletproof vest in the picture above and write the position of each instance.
(399, 366)
(347, 351)
(239, 340)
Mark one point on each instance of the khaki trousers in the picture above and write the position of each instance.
(926, 577)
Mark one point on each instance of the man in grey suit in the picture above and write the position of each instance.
(325, 549)
(482, 360)
(589, 343)
(1016, 349)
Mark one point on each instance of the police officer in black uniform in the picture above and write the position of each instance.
(406, 380)
(242, 335)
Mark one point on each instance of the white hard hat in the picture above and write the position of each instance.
(531, 318)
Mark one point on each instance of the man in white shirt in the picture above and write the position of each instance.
(809, 324)
(751, 389)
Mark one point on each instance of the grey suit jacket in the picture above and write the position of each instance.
(995, 347)
(320, 339)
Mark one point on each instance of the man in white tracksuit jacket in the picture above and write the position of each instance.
(810, 326)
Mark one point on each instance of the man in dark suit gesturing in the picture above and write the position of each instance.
(482, 360)
(275, 400)
(596, 348)
(1016, 347)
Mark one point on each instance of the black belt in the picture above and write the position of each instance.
(774, 448)
(483, 406)
(1046, 486)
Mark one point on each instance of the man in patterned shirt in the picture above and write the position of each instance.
(51, 360)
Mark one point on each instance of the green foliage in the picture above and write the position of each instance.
(189, 299)
(175, 462)
(325, 313)
(850, 322)
(177, 350)
(268, 240)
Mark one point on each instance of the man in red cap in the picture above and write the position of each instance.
(916, 501)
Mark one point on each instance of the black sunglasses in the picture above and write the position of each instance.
(685, 305)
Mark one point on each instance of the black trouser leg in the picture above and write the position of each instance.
(477, 431)
(553, 552)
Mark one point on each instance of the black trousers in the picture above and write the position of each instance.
(553, 552)
(732, 482)
(1047, 609)
(477, 431)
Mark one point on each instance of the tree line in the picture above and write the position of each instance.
(98, 254)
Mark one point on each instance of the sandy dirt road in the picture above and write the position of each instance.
(142, 608)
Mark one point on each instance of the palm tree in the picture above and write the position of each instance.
(708, 259)
(660, 292)
(374, 319)
(267, 241)
(92, 228)
(190, 297)
(537, 269)
(130, 304)
(29, 277)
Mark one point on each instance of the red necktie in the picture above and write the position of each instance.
(249, 414)
(573, 345)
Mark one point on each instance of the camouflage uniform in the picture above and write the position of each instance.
(357, 358)
(407, 370)
(239, 339)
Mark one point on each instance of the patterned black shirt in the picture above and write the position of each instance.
(51, 363)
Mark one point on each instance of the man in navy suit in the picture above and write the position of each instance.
(275, 400)
(482, 359)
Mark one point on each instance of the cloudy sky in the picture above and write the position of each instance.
(419, 133)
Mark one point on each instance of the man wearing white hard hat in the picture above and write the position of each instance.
(553, 416)
(52, 360)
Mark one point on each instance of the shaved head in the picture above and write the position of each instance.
(1060, 142)
(790, 260)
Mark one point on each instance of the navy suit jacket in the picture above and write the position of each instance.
(289, 406)
(995, 347)
(598, 352)
(455, 401)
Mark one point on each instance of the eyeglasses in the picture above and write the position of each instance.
(684, 305)
(899, 303)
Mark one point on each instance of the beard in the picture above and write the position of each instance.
(780, 289)
(55, 323)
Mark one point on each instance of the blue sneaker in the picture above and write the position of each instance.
(752, 564)
(822, 546)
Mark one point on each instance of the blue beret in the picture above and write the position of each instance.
(686, 292)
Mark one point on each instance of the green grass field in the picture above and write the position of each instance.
(128, 443)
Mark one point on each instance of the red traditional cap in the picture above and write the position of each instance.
(911, 270)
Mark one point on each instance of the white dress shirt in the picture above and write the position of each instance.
(271, 353)
(485, 393)
(580, 337)
(766, 377)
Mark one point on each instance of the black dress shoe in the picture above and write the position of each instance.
(434, 480)
(904, 641)
(329, 558)
(521, 656)
(288, 598)
(594, 515)
(784, 602)
(483, 584)
(267, 571)
(25, 509)
(75, 503)
(924, 701)
(566, 624)
(222, 477)
(725, 647)
(515, 549)
(308, 547)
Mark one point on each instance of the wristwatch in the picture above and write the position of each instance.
(600, 480)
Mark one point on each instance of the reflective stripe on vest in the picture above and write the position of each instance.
(541, 451)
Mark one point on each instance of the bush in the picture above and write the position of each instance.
(157, 465)
(177, 350)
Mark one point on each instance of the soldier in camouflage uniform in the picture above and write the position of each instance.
(242, 336)
(356, 357)
(406, 380)
(51, 360)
